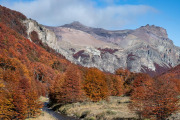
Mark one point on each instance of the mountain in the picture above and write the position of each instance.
(146, 49)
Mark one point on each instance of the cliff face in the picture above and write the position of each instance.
(146, 49)
(45, 35)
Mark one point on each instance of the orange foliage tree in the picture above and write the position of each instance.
(115, 84)
(20, 104)
(124, 73)
(128, 78)
(16, 80)
(95, 86)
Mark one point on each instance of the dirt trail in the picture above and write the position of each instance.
(49, 114)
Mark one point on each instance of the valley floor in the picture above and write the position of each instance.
(115, 108)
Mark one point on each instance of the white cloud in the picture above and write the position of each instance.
(59, 12)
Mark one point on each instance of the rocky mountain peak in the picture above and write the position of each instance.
(75, 25)
(155, 30)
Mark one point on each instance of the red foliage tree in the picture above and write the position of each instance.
(70, 89)
(13, 19)
(157, 98)
(55, 89)
(142, 85)
(172, 77)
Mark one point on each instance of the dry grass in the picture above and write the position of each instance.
(117, 107)
(43, 116)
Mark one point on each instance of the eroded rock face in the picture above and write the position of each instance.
(45, 35)
(146, 49)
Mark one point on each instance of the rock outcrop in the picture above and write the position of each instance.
(45, 35)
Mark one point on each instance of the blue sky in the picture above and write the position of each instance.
(108, 14)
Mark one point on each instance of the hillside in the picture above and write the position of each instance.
(174, 72)
(26, 69)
